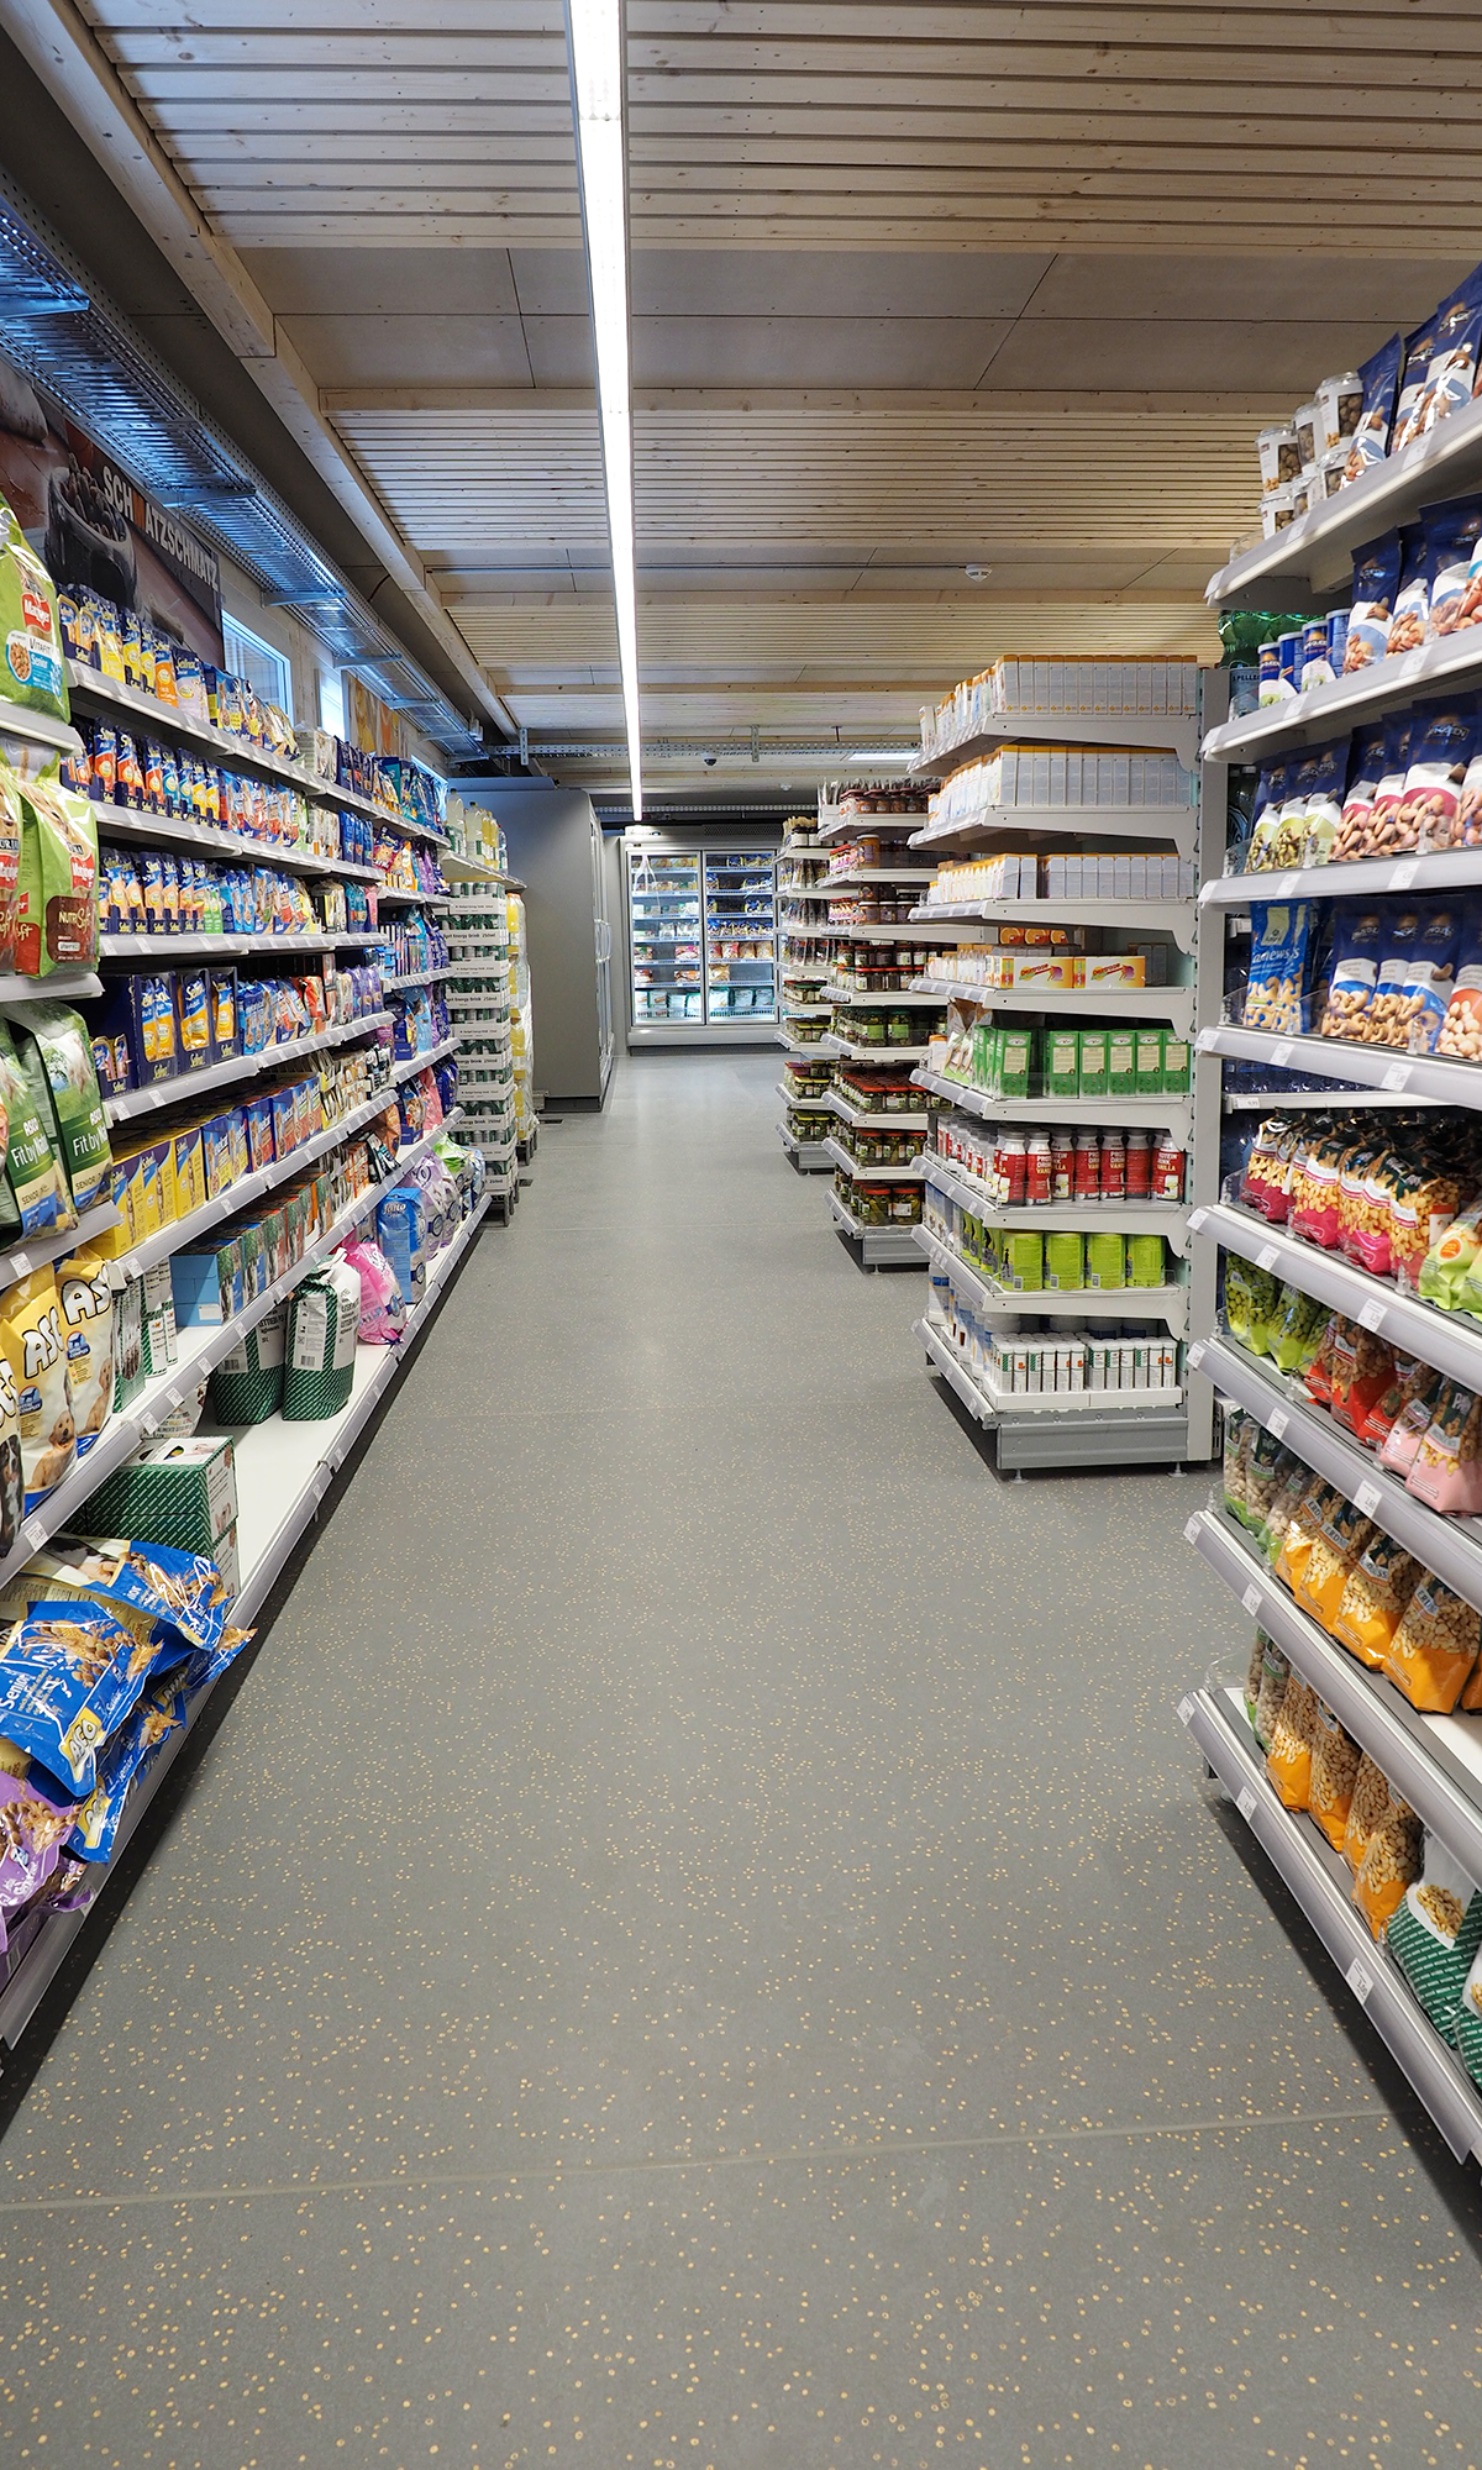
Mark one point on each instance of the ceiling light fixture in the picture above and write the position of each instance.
(883, 754)
(597, 50)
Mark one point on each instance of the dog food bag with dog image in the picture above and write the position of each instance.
(1435, 1934)
(57, 893)
(69, 1674)
(55, 1052)
(34, 1199)
(85, 1293)
(32, 671)
(128, 1756)
(36, 1348)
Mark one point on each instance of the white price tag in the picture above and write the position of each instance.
(1251, 1599)
(1196, 1354)
(1284, 888)
(1397, 1077)
(20, 1264)
(1402, 876)
(1281, 1052)
(1267, 1257)
(1278, 1424)
(1246, 1804)
(172, 1397)
(1186, 1710)
(1360, 1981)
(1191, 1528)
(1372, 1317)
(1196, 1220)
(34, 1531)
(1366, 1500)
(1204, 1043)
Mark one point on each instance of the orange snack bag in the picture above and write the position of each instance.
(1391, 1863)
(1369, 1803)
(1335, 1766)
(1379, 1587)
(1304, 1525)
(1344, 1538)
(1289, 1759)
(1435, 1647)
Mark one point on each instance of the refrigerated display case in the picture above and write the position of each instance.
(702, 942)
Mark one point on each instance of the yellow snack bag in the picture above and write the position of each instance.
(35, 1346)
(1304, 1525)
(1435, 1647)
(1344, 1538)
(1379, 1587)
(1335, 1766)
(1391, 1863)
(1289, 1759)
(1370, 1800)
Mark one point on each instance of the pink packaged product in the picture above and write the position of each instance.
(1408, 1430)
(382, 1312)
(1447, 1471)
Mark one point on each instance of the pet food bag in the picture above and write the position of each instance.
(85, 1294)
(1436, 1932)
(323, 1322)
(55, 1052)
(32, 1337)
(382, 1312)
(69, 1674)
(32, 1831)
(57, 891)
(128, 1756)
(247, 1385)
(32, 674)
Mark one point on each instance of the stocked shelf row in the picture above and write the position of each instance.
(1079, 823)
(183, 1086)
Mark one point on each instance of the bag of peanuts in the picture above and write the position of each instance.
(1316, 1190)
(1273, 789)
(1366, 1182)
(1404, 1436)
(1283, 1509)
(1379, 1587)
(1376, 580)
(1289, 1759)
(1383, 833)
(1335, 1764)
(1440, 751)
(1360, 1369)
(1358, 945)
(1435, 1646)
(1365, 764)
(1305, 1524)
(1425, 1212)
(1266, 1184)
(1240, 1432)
(1267, 1471)
(1447, 1470)
(1344, 1536)
(1461, 1030)
(1388, 1022)
(1276, 987)
(1431, 980)
(1317, 1380)
(1436, 1932)
(1271, 1690)
(1370, 1803)
(1391, 1863)
(1412, 609)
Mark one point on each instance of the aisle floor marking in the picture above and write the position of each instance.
(905, 2148)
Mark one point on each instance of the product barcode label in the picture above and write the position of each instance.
(34, 1531)
(1402, 876)
(1251, 1599)
(1397, 1077)
(1246, 1803)
(1366, 1500)
(20, 1264)
(1372, 1316)
(1360, 1981)
(1267, 1257)
(1278, 1424)
(1281, 1052)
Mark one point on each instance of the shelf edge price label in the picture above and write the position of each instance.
(1196, 1354)
(1267, 1257)
(1251, 1599)
(1246, 1804)
(1204, 1043)
(1367, 1499)
(1402, 876)
(1196, 1220)
(1397, 1077)
(1372, 1317)
(1277, 1424)
(1284, 888)
(1191, 1529)
(1360, 1980)
(1186, 1710)
(1281, 1052)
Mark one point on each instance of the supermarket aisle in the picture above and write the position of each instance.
(701, 1941)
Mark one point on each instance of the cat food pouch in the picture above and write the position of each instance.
(36, 1349)
(69, 1674)
(57, 891)
(31, 669)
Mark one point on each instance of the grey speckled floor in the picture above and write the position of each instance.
(702, 1942)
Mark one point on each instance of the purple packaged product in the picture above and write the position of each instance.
(32, 1830)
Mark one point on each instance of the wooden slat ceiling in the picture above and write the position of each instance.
(1049, 124)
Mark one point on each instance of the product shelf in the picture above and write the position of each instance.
(909, 1171)
(390, 897)
(849, 876)
(1174, 1004)
(414, 977)
(992, 1404)
(36, 1250)
(181, 1232)
(855, 826)
(1175, 732)
(874, 1118)
(880, 1246)
(1162, 823)
(1434, 1761)
(1453, 662)
(284, 1471)
(858, 1051)
(871, 930)
(37, 728)
(1452, 1547)
(185, 1085)
(408, 1064)
(146, 948)
(461, 869)
(1448, 1341)
(849, 1000)
(136, 823)
(63, 986)
(1176, 918)
(1318, 1880)
(1441, 1079)
(1166, 1218)
(1153, 1114)
(1168, 1304)
(1282, 1101)
(1359, 878)
(808, 1156)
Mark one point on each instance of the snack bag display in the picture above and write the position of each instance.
(1335, 1766)
(1360, 1369)
(35, 1347)
(1289, 1759)
(1447, 1468)
(1381, 376)
(1407, 626)
(85, 1294)
(1455, 596)
(1274, 1677)
(1322, 778)
(1344, 1536)
(127, 1757)
(1378, 1588)
(1436, 1932)
(1432, 1653)
(1376, 578)
(57, 888)
(1404, 1435)
(1365, 770)
(1267, 1470)
(32, 673)
(1441, 746)
(1372, 1801)
(1358, 947)
(1461, 1030)
(69, 1674)
(1391, 1863)
(1305, 1524)
(1276, 989)
(1296, 1329)
(1452, 368)
(1430, 979)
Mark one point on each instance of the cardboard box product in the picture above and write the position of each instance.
(1062, 1063)
(258, 1119)
(1112, 970)
(1175, 1065)
(188, 1168)
(1148, 1061)
(193, 1017)
(206, 1284)
(181, 1492)
(1032, 970)
(1093, 1063)
(1121, 1064)
(217, 1160)
(226, 1042)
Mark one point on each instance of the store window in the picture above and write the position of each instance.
(332, 702)
(266, 671)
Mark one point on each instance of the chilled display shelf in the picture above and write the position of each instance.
(38, 728)
(408, 1064)
(1168, 1304)
(1433, 1761)
(859, 1050)
(1161, 823)
(1178, 732)
(184, 1085)
(144, 948)
(1443, 1080)
(880, 1246)
(136, 823)
(1453, 662)
(1174, 1004)
(908, 1171)
(1155, 1114)
(1318, 1880)
(130, 702)
(983, 1397)
(874, 1118)
(1359, 878)
(1447, 1340)
(284, 1471)
(1166, 1218)
(1174, 918)
(808, 1156)
(42, 1248)
(1452, 1547)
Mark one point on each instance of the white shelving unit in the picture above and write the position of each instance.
(1173, 1424)
(479, 998)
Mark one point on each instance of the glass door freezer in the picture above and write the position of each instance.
(665, 940)
(740, 935)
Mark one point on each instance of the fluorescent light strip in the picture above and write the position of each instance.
(595, 44)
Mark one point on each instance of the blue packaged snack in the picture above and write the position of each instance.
(1337, 640)
(1376, 578)
(179, 1592)
(1419, 345)
(128, 1756)
(1276, 991)
(1441, 741)
(1454, 531)
(1380, 374)
(1322, 778)
(1430, 980)
(1452, 368)
(1317, 666)
(1412, 604)
(1359, 943)
(203, 1669)
(400, 1232)
(69, 1674)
